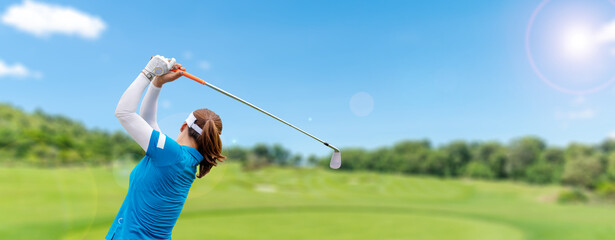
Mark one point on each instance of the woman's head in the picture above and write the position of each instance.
(208, 141)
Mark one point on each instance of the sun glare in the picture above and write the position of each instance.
(570, 45)
(578, 43)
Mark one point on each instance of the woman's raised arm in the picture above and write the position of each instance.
(126, 110)
(149, 105)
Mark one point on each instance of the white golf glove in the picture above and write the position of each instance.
(157, 66)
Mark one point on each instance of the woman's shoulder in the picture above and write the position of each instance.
(191, 154)
(163, 150)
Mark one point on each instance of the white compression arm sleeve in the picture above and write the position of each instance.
(126, 112)
(149, 106)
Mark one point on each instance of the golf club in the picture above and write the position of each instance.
(336, 159)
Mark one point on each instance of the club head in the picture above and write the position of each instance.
(336, 160)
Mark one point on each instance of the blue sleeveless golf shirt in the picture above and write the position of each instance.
(157, 190)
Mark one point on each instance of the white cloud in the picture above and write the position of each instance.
(587, 113)
(42, 19)
(17, 70)
(606, 33)
(205, 65)
(580, 114)
(611, 135)
(578, 110)
(579, 100)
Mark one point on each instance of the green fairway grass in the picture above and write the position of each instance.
(275, 203)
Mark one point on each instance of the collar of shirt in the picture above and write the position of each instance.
(195, 154)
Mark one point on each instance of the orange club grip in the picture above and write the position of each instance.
(188, 75)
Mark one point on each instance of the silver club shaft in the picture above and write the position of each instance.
(269, 114)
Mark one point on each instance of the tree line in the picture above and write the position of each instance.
(45, 140)
(528, 159)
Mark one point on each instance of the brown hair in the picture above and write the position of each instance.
(209, 143)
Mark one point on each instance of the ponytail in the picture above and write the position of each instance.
(209, 142)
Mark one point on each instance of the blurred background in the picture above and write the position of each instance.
(457, 119)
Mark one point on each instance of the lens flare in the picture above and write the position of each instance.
(585, 66)
(578, 43)
(362, 104)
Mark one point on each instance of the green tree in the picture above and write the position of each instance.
(42, 139)
(607, 146)
(610, 168)
(522, 153)
(582, 171)
(381, 160)
(492, 154)
(578, 150)
(542, 172)
(281, 156)
(411, 156)
(479, 170)
(437, 164)
(313, 160)
(553, 155)
(295, 160)
(549, 167)
(458, 155)
(236, 154)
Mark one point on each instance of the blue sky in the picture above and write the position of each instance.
(441, 70)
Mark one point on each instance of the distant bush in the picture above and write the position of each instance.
(542, 173)
(574, 195)
(582, 171)
(478, 170)
(606, 190)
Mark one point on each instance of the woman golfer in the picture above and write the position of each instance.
(159, 184)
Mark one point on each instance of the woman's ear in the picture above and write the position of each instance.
(181, 129)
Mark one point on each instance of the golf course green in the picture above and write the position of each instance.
(282, 203)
